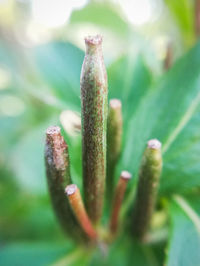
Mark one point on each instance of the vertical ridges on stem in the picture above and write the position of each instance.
(148, 183)
(117, 200)
(79, 211)
(58, 176)
(114, 138)
(94, 124)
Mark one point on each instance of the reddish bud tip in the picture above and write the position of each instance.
(53, 130)
(93, 40)
(154, 144)
(115, 103)
(125, 175)
(71, 189)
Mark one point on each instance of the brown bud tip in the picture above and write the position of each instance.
(93, 40)
(154, 144)
(125, 175)
(53, 130)
(115, 103)
(71, 189)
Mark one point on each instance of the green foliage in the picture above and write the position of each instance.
(184, 242)
(183, 13)
(61, 70)
(32, 254)
(102, 14)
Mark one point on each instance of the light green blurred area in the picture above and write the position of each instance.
(41, 53)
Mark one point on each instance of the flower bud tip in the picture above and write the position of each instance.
(53, 130)
(125, 175)
(93, 40)
(70, 189)
(115, 103)
(154, 144)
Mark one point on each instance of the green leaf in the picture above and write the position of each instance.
(59, 64)
(102, 14)
(129, 79)
(27, 159)
(40, 254)
(183, 12)
(126, 252)
(181, 160)
(184, 243)
(164, 113)
(79, 256)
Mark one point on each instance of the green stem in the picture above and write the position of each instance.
(114, 138)
(58, 176)
(149, 176)
(94, 123)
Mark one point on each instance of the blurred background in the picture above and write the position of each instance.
(41, 53)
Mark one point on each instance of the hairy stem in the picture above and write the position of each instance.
(58, 176)
(94, 123)
(114, 138)
(149, 177)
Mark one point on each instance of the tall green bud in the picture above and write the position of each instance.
(114, 139)
(94, 123)
(149, 177)
(58, 177)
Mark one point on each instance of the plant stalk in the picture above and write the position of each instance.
(117, 201)
(114, 139)
(79, 211)
(94, 125)
(58, 176)
(149, 177)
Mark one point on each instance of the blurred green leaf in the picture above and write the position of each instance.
(164, 113)
(183, 12)
(129, 80)
(184, 243)
(27, 160)
(40, 254)
(101, 14)
(60, 64)
(181, 160)
(24, 215)
(79, 256)
(126, 252)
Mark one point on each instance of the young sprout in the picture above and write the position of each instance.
(114, 138)
(58, 176)
(94, 123)
(79, 211)
(117, 200)
(149, 177)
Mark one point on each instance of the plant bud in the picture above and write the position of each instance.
(149, 177)
(94, 124)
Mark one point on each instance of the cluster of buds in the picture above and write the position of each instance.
(101, 146)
